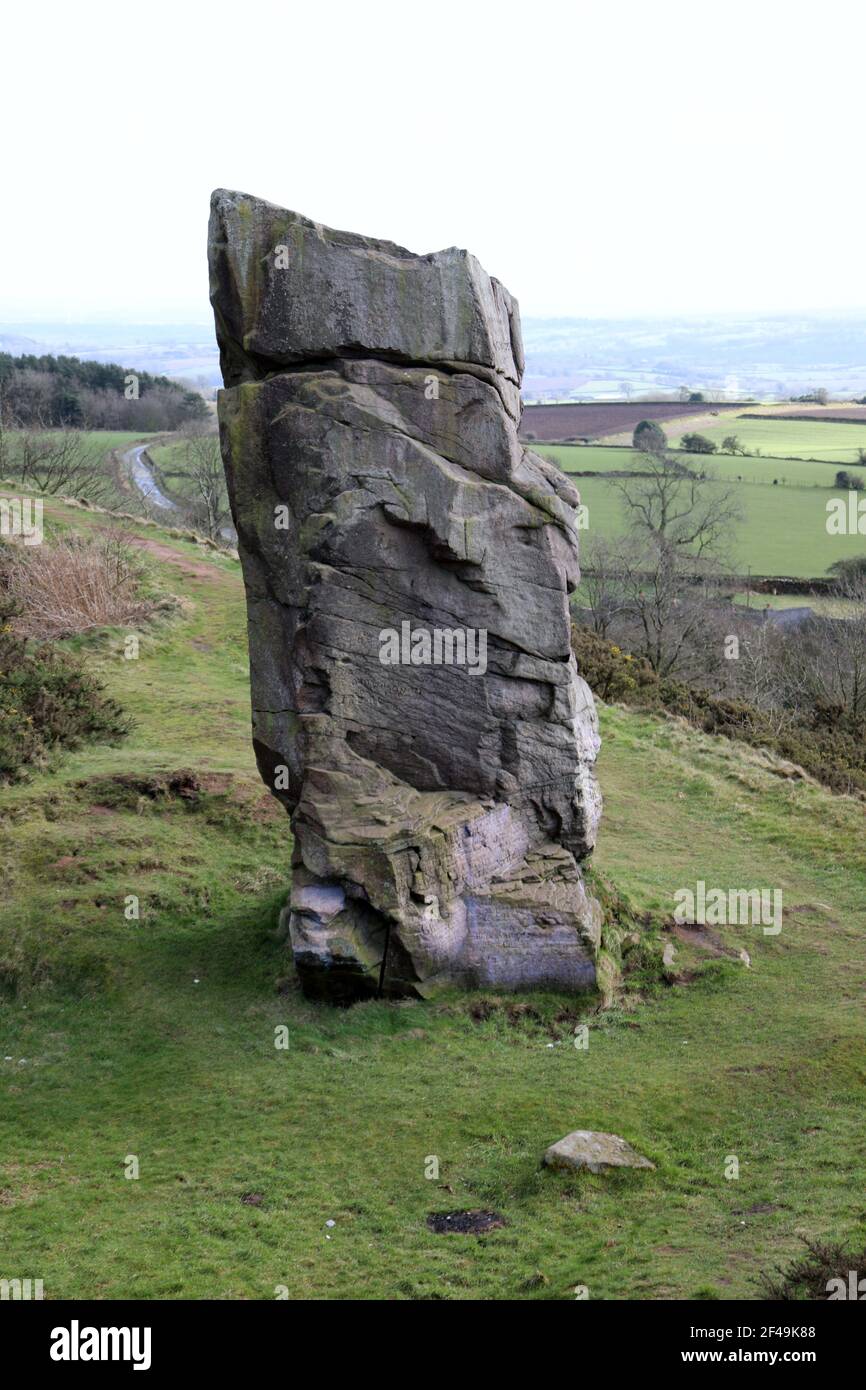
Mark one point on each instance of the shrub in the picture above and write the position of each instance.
(47, 700)
(811, 1278)
(850, 571)
(697, 444)
(612, 673)
(649, 437)
(829, 744)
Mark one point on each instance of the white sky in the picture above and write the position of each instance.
(599, 158)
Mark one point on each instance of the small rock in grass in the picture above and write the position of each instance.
(587, 1148)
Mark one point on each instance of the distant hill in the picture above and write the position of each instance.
(185, 351)
(16, 343)
(726, 356)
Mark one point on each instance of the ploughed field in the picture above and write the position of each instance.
(597, 419)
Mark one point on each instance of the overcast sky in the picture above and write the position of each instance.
(599, 158)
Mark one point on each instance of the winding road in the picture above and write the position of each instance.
(143, 478)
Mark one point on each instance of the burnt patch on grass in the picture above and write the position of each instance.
(465, 1223)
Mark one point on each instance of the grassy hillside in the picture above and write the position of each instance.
(156, 1038)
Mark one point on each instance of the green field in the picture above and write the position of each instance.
(823, 606)
(726, 467)
(99, 442)
(806, 439)
(155, 1038)
(784, 527)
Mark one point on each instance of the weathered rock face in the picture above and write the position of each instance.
(407, 563)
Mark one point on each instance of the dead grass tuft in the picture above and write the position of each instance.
(72, 584)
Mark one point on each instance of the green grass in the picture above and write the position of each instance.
(99, 441)
(125, 1054)
(727, 468)
(806, 439)
(575, 458)
(819, 603)
(784, 527)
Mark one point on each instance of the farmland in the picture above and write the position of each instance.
(768, 472)
(783, 530)
(781, 438)
(821, 605)
(828, 413)
(601, 419)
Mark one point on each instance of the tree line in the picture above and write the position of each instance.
(47, 392)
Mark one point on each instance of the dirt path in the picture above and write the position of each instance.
(195, 569)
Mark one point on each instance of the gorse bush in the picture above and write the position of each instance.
(827, 742)
(47, 700)
(825, 1273)
(612, 673)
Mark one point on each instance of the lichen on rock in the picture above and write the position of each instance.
(407, 563)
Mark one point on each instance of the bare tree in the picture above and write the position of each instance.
(834, 654)
(603, 564)
(671, 614)
(679, 508)
(62, 461)
(658, 591)
(203, 466)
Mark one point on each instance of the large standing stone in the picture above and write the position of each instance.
(386, 510)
